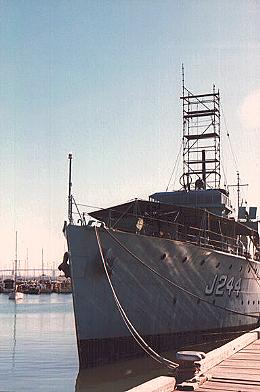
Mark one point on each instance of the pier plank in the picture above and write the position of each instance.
(232, 374)
(234, 371)
(238, 373)
(239, 364)
(226, 387)
(246, 357)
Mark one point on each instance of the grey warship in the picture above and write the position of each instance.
(174, 269)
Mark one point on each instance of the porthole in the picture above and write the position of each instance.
(248, 270)
(258, 302)
(248, 302)
(202, 262)
(163, 256)
(217, 265)
(185, 259)
(174, 301)
(242, 302)
(230, 266)
(240, 268)
(253, 302)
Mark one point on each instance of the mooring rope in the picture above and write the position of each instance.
(175, 284)
(253, 271)
(153, 354)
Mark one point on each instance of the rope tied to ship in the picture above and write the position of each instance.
(175, 284)
(138, 338)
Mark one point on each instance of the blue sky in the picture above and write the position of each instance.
(102, 79)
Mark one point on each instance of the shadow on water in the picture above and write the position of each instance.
(118, 377)
(127, 374)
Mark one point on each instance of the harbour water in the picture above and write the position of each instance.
(38, 351)
(37, 344)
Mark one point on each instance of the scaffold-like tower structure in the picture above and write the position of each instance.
(201, 139)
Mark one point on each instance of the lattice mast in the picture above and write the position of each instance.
(201, 139)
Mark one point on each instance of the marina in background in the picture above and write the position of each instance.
(42, 284)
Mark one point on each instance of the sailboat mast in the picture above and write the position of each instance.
(27, 257)
(42, 263)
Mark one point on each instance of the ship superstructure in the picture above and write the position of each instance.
(176, 268)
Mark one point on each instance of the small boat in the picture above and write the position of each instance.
(15, 295)
(46, 285)
(8, 285)
(33, 289)
(63, 286)
(24, 288)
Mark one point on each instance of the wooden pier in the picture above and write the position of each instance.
(234, 367)
(240, 372)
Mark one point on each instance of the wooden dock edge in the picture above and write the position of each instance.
(212, 359)
(218, 355)
(158, 384)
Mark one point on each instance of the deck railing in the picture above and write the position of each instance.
(159, 227)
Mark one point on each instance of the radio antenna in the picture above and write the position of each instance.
(238, 185)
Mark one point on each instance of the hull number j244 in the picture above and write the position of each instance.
(222, 283)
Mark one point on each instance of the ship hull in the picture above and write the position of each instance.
(173, 293)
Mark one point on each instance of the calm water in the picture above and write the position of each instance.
(38, 351)
(37, 344)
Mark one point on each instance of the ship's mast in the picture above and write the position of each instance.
(201, 139)
(70, 195)
(238, 185)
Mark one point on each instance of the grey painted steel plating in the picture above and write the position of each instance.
(152, 305)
